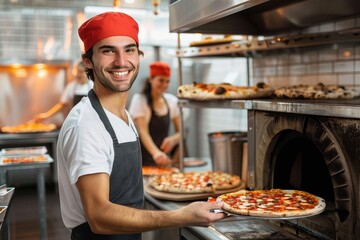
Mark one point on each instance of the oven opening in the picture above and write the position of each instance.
(298, 164)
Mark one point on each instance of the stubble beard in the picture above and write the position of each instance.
(106, 83)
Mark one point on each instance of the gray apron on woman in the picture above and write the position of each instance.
(158, 129)
(126, 182)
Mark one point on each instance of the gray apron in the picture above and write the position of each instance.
(126, 180)
(158, 130)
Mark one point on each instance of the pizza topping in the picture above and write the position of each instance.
(29, 127)
(223, 91)
(194, 182)
(24, 159)
(157, 170)
(318, 91)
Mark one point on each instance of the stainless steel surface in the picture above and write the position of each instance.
(330, 108)
(40, 167)
(256, 17)
(27, 90)
(247, 47)
(226, 151)
(326, 107)
(235, 104)
(48, 139)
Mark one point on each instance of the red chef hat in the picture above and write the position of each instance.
(106, 25)
(160, 69)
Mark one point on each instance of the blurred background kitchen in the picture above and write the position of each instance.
(39, 47)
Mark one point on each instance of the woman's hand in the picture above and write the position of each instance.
(161, 158)
(168, 144)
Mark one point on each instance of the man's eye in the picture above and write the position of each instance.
(108, 51)
(131, 50)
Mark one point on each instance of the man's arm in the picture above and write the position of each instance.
(105, 217)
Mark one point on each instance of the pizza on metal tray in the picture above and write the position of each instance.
(272, 203)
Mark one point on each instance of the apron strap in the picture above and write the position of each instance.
(99, 109)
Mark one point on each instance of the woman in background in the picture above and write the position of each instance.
(153, 110)
(72, 94)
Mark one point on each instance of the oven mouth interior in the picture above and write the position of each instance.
(298, 164)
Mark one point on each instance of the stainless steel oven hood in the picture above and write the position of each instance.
(256, 17)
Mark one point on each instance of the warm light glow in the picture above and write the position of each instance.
(40, 66)
(42, 73)
(130, 1)
(16, 65)
(116, 3)
(347, 53)
(21, 73)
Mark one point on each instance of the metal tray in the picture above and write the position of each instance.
(5, 195)
(47, 159)
(24, 151)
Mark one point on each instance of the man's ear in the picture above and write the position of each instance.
(87, 63)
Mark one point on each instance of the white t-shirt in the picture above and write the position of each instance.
(139, 108)
(74, 88)
(85, 147)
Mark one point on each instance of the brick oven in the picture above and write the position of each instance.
(311, 146)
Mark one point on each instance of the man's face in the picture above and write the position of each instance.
(115, 63)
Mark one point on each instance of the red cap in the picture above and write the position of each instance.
(160, 69)
(106, 25)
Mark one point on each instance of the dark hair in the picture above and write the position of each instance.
(147, 92)
(89, 54)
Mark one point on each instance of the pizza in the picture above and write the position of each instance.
(272, 203)
(157, 170)
(29, 127)
(318, 91)
(194, 182)
(208, 91)
(224, 181)
(24, 159)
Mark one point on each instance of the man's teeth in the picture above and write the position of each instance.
(121, 73)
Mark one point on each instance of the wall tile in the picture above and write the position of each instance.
(325, 67)
(345, 66)
(346, 79)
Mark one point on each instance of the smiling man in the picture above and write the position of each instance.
(98, 152)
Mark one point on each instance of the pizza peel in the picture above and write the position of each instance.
(229, 214)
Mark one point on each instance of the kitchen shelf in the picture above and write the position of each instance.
(247, 48)
(230, 104)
